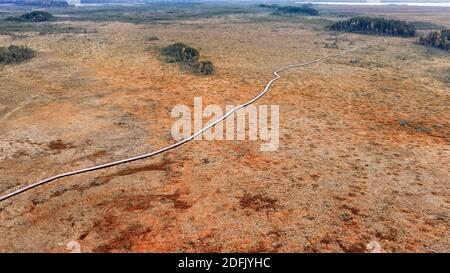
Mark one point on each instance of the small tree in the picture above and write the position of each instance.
(437, 39)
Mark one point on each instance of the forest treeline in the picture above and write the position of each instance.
(33, 16)
(380, 26)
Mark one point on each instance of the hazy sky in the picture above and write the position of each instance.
(384, 1)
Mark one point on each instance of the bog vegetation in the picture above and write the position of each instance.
(378, 26)
(438, 39)
(34, 16)
(15, 54)
(188, 58)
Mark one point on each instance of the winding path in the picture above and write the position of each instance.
(185, 140)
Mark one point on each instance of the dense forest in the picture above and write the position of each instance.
(380, 26)
(305, 9)
(439, 39)
(188, 58)
(15, 54)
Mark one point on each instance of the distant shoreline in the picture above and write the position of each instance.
(376, 4)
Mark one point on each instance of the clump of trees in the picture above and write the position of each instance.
(15, 54)
(380, 26)
(272, 6)
(180, 52)
(305, 9)
(34, 16)
(188, 58)
(438, 39)
(204, 67)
